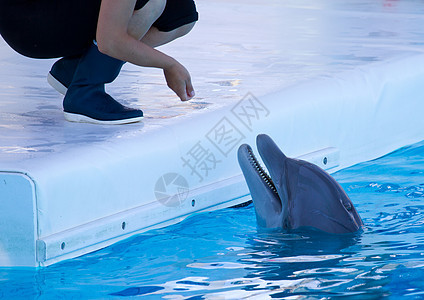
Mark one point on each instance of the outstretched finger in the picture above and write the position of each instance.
(181, 93)
(190, 90)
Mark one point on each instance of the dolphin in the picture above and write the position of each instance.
(296, 193)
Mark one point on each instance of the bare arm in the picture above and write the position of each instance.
(114, 40)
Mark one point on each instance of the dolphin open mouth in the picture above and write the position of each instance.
(267, 202)
(261, 171)
(258, 180)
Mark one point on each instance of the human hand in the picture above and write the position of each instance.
(178, 79)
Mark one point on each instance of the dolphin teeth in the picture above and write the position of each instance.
(264, 175)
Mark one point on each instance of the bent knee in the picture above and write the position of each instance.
(157, 7)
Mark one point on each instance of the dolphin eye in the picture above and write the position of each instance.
(348, 206)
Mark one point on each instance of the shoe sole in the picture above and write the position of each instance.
(84, 119)
(56, 84)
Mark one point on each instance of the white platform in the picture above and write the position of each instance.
(335, 79)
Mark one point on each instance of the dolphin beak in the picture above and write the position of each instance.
(275, 162)
(264, 194)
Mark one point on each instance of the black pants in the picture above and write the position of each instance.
(57, 28)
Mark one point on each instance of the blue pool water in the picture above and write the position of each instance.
(222, 255)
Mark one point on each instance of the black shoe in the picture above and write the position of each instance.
(86, 99)
(62, 73)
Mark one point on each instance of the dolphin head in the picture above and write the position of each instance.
(296, 193)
